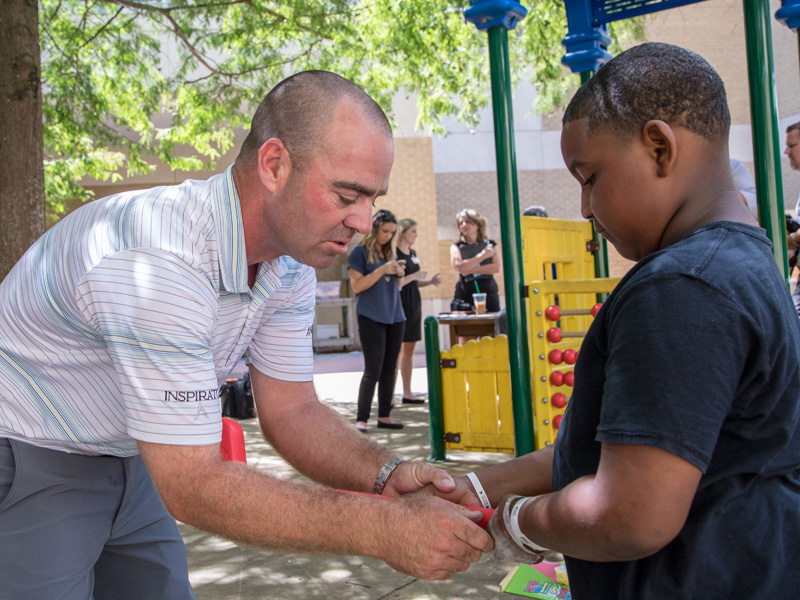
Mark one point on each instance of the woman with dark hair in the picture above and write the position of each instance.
(476, 259)
(414, 279)
(375, 278)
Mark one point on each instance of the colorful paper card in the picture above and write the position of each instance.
(535, 581)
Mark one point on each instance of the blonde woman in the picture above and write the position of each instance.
(476, 259)
(375, 278)
(414, 279)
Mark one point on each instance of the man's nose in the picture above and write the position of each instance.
(361, 218)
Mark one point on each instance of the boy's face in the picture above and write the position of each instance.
(617, 190)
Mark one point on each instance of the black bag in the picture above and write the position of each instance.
(457, 304)
(237, 399)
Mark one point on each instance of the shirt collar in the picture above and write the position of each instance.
(230, 233)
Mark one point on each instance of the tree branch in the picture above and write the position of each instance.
(99, 31)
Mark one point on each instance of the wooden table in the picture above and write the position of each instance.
(468, 325)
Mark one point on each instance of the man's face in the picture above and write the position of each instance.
(615, 191)
(332, 198)
(793, 148)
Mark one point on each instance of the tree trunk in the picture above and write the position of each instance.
(22, 198)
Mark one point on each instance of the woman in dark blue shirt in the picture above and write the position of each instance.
(374, 277)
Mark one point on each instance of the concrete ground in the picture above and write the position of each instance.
(219, 569)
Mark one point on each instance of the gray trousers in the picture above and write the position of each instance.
(85, 527)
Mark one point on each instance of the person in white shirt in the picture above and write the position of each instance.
(120, 323)
(792, 151)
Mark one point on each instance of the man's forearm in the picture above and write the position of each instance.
(419, 535)
(316, 441)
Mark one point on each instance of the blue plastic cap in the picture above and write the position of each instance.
(485, 14)
(789, 13)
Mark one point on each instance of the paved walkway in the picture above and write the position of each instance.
(220, 569)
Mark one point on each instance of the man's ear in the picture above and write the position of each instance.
(662, 147)
(274, 164)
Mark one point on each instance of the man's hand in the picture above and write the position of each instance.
(429, 538)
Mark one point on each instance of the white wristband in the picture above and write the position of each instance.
(516, 533)
(482, 496)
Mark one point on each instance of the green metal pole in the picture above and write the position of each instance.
(766, 137)
(518, 352)
(435, 405)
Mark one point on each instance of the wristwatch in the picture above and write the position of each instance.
(383, 475)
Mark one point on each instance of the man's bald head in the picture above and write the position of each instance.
(299, 110)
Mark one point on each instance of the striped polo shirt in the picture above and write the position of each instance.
(121, 322)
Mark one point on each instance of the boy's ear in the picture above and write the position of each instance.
(659, 139)
(274, 164)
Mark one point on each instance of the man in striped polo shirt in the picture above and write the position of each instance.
(119, 324)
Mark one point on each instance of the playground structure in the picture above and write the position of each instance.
(475, 398)
(586, 50)
(469, 386)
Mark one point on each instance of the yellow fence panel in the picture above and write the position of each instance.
(476, 396)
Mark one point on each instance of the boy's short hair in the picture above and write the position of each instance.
(654, 81)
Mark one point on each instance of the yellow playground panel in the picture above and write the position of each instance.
(559, 314)
(476, 395)
(476, 387)
(476, 384)
(557, 249)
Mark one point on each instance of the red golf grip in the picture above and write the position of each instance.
(487, 512)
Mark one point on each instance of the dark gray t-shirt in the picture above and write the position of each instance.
(697, 352)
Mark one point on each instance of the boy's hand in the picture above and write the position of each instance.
(507, 548)
(414, 476)
(462, 492)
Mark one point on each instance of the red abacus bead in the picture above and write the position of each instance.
(569, 378)
(557, 378)
(559, 400)
(557, 421)
(570, 356)
(552, 313)
(596, 309)
(556, 356)
(554, 335)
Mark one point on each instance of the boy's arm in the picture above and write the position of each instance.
(635, 505)
(528, 475)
